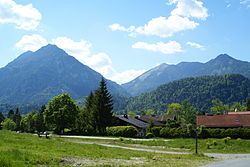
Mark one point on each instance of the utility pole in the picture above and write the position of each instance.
(196, 140)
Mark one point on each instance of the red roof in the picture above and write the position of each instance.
(239, 112)
(224, 121)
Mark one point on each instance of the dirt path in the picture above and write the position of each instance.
(133, 148)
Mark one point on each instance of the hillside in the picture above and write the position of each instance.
(150, 80)
(199, 91)
(36, 77)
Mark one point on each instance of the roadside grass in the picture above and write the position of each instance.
(21, 150)
(231, 146)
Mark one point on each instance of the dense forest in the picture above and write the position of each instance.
(198, 91)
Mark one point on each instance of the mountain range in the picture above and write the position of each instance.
(34, 78)
(164, 73)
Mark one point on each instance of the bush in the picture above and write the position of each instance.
(226, 139)
(123, 131)
(165, 132)
(203, 132)
(216, 133)
(149, 135)
(156, 131)
(234, 133)
(8, 124)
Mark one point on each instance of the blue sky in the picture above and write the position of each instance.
(121, 39)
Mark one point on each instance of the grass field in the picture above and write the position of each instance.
(231, 146)
(20, 150)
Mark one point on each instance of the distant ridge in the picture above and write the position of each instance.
(222, 64)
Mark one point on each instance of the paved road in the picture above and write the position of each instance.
(230, 163)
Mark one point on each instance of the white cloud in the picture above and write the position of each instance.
(166, 48)
(166, 27)
(179, 20)
(126, 76)
(80, 50)
(24, 16)
(244, 2)
(116, 27)
(189, 8)
(196, 45)
(31, 42)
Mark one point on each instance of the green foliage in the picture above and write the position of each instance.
(171, 123)
(226, 139)
(1, 117)
(123, 131)
(61, 113)
(39, 120)
(8, 124)
(99, 106)
(175, 109)
(83, 123)
(236, 106)
(174, 133)
(184, 112)
(189, 132)
(197, 91)
(131, 114)
(11, 114)
(211, 144)
(17, 119)
(150, 126)
(149, 135)
(150, 112)
(156, 131)
(218, 107)
(248, 105)
(28, 122)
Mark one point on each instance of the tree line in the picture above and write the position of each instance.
(62, 114)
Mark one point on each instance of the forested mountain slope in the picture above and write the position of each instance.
(198, 91)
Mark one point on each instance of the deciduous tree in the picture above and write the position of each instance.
(61, 113)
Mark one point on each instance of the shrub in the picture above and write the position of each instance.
(211, 143)
(149, 135)
(165, 132)
(226, 139)
(156, 131)
(215, 133)
(203, 132)
(8, 124)
(123, 131)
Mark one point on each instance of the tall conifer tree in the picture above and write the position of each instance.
(102, 108)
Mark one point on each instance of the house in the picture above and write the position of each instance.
(224, 121)
(158, 120)
(127, 121)
(142, 123)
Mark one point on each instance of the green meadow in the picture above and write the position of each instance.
(22, 149)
